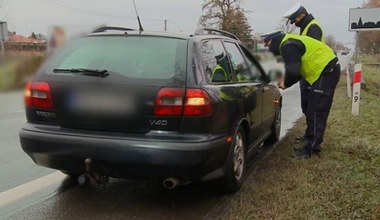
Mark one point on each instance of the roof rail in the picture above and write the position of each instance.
(201, 31)
(106, 28)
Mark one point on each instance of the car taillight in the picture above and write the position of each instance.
(37, 94)
(197, 103)
(173, 102)
(169, 101)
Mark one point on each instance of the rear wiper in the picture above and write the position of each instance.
(84, 71)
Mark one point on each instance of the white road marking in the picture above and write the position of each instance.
(19, 192)
(18, 111)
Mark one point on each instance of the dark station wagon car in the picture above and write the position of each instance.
(129, 104)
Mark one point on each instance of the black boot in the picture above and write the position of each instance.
(306, 153)
(317, 152)
(303, 153)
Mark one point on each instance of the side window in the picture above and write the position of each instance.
(238, 62)
(215, 61)
(245, 69)
(257, 75)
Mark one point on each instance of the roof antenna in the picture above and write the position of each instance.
(138, 18)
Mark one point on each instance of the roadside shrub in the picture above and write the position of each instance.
(14, 72)
(26, 68)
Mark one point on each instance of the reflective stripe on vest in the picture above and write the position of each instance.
(315, 58)
(219, 68)
(314, 21)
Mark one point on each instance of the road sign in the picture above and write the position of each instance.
(364, 19)
(356, 80)
(3, 37)
(3, 31)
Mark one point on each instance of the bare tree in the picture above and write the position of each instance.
(330, 40)
(340, 46)
(216, 12)
(371, 3)
(227, 15)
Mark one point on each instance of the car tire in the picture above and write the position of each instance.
(275, 128)
(235, 165)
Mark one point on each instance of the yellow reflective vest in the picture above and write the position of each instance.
(314, 21)
(316, 57)
(216, 77)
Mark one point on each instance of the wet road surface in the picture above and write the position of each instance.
(15, 166)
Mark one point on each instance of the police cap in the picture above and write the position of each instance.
(271, 35)
(294, 12)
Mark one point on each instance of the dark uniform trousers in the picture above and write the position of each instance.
(304, 91)
(319, 102)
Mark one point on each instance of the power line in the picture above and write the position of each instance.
(97, 12)
(85, 10)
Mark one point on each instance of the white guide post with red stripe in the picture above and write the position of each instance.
(356, 80)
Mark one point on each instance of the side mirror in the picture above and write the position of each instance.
(275, 75)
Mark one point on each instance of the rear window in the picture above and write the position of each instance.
(139, 57)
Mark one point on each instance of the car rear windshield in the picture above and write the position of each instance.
(139, 57)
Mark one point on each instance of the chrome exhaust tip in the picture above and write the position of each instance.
(170, 183)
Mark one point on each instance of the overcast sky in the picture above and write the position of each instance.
(264, 15)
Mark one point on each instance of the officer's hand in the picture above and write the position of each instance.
(279, 77)
(281, 84)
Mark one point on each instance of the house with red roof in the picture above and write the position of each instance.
(21, 43)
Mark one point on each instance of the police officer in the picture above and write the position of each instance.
(309, 26)
(311, 60)
(219, 73)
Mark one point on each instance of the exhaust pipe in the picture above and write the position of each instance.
(82, 179)
(171, 183)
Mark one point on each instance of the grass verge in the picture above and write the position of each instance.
(15, 72)
(7, 76)
(344, 183)
(372, 73)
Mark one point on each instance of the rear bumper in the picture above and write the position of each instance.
(190, 157)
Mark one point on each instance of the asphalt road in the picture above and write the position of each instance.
(15, 166)
(31, 192)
